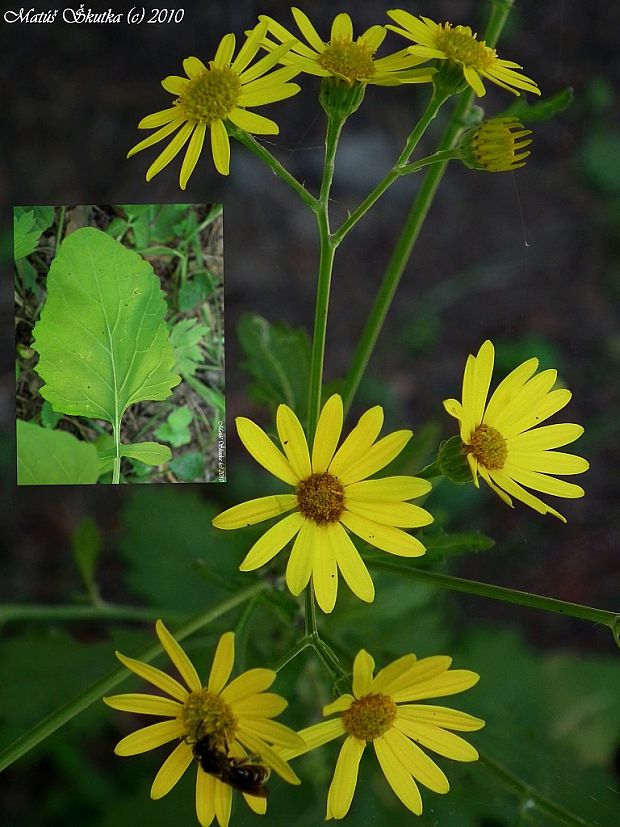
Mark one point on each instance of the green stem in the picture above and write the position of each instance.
(530, 795)
(12, 612)
(61, 716)
(263, 153)
(533, 601)
(116, 471)
(418, 131)
(326, 263)
(409, 234)
(435, 158)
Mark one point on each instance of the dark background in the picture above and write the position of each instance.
(529, 260)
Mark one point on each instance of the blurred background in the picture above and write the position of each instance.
(529, 260)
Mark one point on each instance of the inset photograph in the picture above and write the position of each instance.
(119, 329)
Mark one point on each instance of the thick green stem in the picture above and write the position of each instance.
(412, 141)
(263, 153)
(12, 612)
(533, 601)
(326, 263)
(61, 716)
(409, 234)
(116, 471)
(530, 796)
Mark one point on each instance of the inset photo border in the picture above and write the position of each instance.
(119, 334)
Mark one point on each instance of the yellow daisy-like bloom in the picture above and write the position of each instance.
(501, 437)
(332, 497)
(384, 710)
(236, 716)
(342, 57)
(212, 95)
(497, 145)
(461, 46)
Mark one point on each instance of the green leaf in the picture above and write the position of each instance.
(86, 545)
(541, 110)
(25, 235)
(175, 430)
(185, 337)
(278, 358)
(195, 291)
(27, 274)
(49, 417)
(102, 340)
(188, 467)
(47, 457)
(150, 453)
(154, 222)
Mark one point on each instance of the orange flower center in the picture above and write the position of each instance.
(205, 713)
(348, 60)
(320, 498)
(488, 446)
(212, 95)
(462, 46)
(370, 717)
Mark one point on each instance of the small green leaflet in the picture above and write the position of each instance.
(150, 453)
(176, 428)
(102, 340)
(46, 457)
(186, 337)
(540, 110)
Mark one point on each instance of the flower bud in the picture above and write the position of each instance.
(495, 146)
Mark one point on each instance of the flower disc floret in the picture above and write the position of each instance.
(503, 436)
(369, 717)
(462, 46)
(332, 497)
(211, 96)
(348, 60)
(206, 713)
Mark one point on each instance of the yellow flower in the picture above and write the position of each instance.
(342, 57)
(383, 711)
(501, 439)
(332, 497)
(497, 145)
(234, 716)
(461, 46)
(210, 96)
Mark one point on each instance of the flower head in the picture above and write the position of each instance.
(497, 145)
(502, 438)
(342, 57)
(384, 710)
(212, 95)
(332, 497)
(460, 46)
(235, 717)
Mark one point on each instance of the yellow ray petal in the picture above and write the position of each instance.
(546, 437)
(171, 770)
(285, 36)
(220, 147)
(438, 740)
(192, 154)
(178, 658)
(352, 566)
(266, 63)
(270, 94)
(397, 776)
(156, 137)
(255, 511)
(401, 515)
(544, 483)
(421, 671)
(359, 440)
(439, 716)
(171, 151)
(144, 704)
(448, 683)
(363, 667)
(308, 30)
(387, 538)
(175, 84)
(373, 37)
(328, 430)
(150, 737)
(162, 117)
(223, 661)
(155, 676)
(342, 28)
(256, 804)
(194, 67)
(264, 451)
(508, 389)
(342, 788)
(293, 441)
(530, 395)
(252, 122)
(341, 704)
(271, 731)
(547, 462)
(268, 755)
(387, 678)
(324, 569)
(225, 51)
(473, 78)
(249, 683)
(315, 736)
(376, 458)
(388, 489)
(272, 541)
(299, 567)
(416, 762)
(552, 403)
(504, 481)
(250, 48)
(267, 705)
(412, 26)
(205, 798)
(222, 802)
